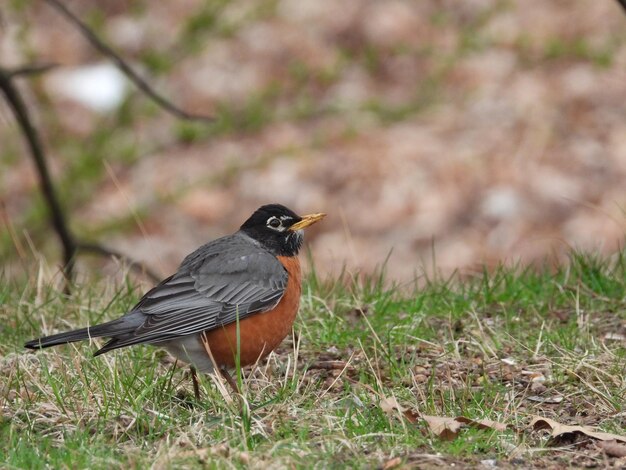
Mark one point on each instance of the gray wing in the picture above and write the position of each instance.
(230, 277)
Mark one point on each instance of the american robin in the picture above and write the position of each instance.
(234, 298)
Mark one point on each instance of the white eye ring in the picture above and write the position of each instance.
(273, 222)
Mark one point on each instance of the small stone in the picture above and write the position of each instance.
(420, 378)
(538, 387)
(244, 457)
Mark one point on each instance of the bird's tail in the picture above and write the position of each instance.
(106, 329)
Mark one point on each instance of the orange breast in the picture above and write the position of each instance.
(260, 333)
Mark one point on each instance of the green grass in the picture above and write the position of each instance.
(437, 349)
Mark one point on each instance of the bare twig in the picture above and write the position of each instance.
(30, 70)
(329, 365)
(124, 67)
(70, 245)
(17, 105)
(104, 251)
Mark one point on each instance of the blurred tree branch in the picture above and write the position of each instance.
(71, 246)
(30, 70)
(20, 111)
(623, 4)
(124, 67)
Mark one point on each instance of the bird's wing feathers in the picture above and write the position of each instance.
(229, 278)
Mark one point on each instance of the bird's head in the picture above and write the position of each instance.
(278, 228)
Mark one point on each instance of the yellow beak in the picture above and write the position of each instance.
(306, 221)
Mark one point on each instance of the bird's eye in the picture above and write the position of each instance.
(273, 222)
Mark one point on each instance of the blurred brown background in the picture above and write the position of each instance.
(482, 130)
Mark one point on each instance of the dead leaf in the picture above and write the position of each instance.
(393, 463)
(559, 429)
(448, 428)
(390, 405)
(483, 423)
(443, 426)
(612, 448)
(615, 337)
(548, 400)
(534, 376)
(411, 416)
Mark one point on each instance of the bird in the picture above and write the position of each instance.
(230, 303)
